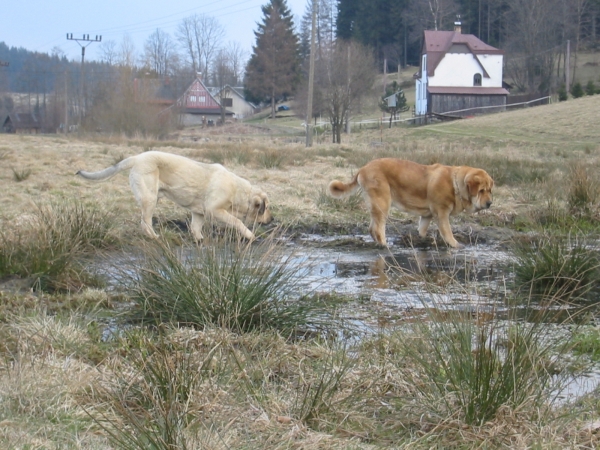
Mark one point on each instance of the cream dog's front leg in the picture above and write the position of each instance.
(234, 222)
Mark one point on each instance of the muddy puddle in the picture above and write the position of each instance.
(376, 288)
(396, 276)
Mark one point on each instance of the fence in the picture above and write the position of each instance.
(323, 127)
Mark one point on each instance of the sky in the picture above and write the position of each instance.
(42, 25)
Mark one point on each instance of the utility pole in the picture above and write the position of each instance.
(3, 64)
(311, 76)
(567, 68)
(85, 38)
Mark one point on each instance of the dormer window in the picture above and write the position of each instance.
(477, 79)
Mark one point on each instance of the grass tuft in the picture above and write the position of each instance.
(229, 284)
(48, 248)
(583, 191)
(21, 175)
(555, 266)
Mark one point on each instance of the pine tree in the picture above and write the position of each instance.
(273, 71)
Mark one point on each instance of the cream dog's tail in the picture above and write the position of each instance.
(105, 174)
(338, 189)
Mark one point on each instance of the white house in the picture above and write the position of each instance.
(459, 75)
(233, 99)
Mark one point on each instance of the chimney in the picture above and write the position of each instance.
(457, 25)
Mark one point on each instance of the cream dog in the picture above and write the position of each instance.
(427, 191)
(207, 190)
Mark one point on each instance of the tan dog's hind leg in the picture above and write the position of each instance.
(424, 225)
(446, 230)
(380, 208)
(228, 219)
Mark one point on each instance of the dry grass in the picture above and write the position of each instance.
(260, 390)
(517, 147)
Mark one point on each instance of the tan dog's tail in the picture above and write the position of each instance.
(105, 174)
(337, 189)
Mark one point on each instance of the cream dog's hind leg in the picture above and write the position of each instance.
(145, 191)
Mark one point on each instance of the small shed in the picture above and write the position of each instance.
(21, 123)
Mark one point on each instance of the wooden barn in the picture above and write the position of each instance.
(21, 123)
(460, 75)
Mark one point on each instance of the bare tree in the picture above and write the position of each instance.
(431, 14)
(534, 41)
(343, 77)
(237, 57)
(580, 13)
(200, 36)
(160, 54)
(108, 52)
(186, 37)
(126, 54)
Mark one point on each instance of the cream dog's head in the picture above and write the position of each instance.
(258, 207)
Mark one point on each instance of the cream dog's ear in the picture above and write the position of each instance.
(258, 204)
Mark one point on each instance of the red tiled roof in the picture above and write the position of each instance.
(437, 43)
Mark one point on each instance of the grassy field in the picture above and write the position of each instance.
(79, 370)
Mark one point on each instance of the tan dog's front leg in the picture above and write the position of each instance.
(446, 230)
(234, 222)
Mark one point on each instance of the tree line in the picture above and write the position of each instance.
(354, 40)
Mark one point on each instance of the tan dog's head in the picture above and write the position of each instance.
(258, 208)
(479, 185)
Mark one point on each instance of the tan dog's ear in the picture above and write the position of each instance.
(473, 185)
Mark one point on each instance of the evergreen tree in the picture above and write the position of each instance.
(395, 107)
(590, 88)
(273, 71)
(577, 90)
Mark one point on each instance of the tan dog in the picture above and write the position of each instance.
(427, 191)
(207, 190)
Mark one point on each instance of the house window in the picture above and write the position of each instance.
(227, 102)
(477, 79)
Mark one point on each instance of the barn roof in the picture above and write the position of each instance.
(23, 120)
